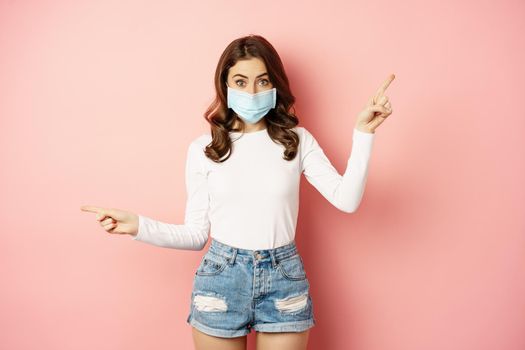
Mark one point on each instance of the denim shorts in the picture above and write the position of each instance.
(235, 290)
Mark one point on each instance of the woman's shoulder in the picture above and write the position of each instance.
(302, 131)
(198, 144)
(305, 135)
(202, 140)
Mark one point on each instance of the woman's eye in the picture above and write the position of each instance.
(262, 82)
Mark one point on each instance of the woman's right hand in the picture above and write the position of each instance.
(115, 220)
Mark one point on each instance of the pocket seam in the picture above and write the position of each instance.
(287, 276)
(221, 265)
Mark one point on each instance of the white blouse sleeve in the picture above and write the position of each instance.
(343, 191)
(193, 234)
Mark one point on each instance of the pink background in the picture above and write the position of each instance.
(99, 100)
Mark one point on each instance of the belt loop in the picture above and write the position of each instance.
(274, 261)
(232, 257)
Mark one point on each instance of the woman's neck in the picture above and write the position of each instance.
(261, 125)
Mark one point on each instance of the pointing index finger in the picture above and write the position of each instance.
(92, 209)
(385, 85)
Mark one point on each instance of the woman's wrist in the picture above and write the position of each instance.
(363, 129)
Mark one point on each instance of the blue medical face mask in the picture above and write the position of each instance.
(251, 108)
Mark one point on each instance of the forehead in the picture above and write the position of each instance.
(251, 67)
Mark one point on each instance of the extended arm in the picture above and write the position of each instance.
(343, 191)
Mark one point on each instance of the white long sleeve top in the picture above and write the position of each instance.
(251, 200)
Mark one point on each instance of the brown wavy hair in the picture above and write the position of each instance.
(279, 120)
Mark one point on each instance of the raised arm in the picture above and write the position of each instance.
(193, 234)
(343, 191)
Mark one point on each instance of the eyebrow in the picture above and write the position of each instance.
(244, 76)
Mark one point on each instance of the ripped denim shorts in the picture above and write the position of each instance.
(235, 290)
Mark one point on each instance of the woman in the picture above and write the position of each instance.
(243, 179)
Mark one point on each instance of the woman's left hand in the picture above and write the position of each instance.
(377, 109)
